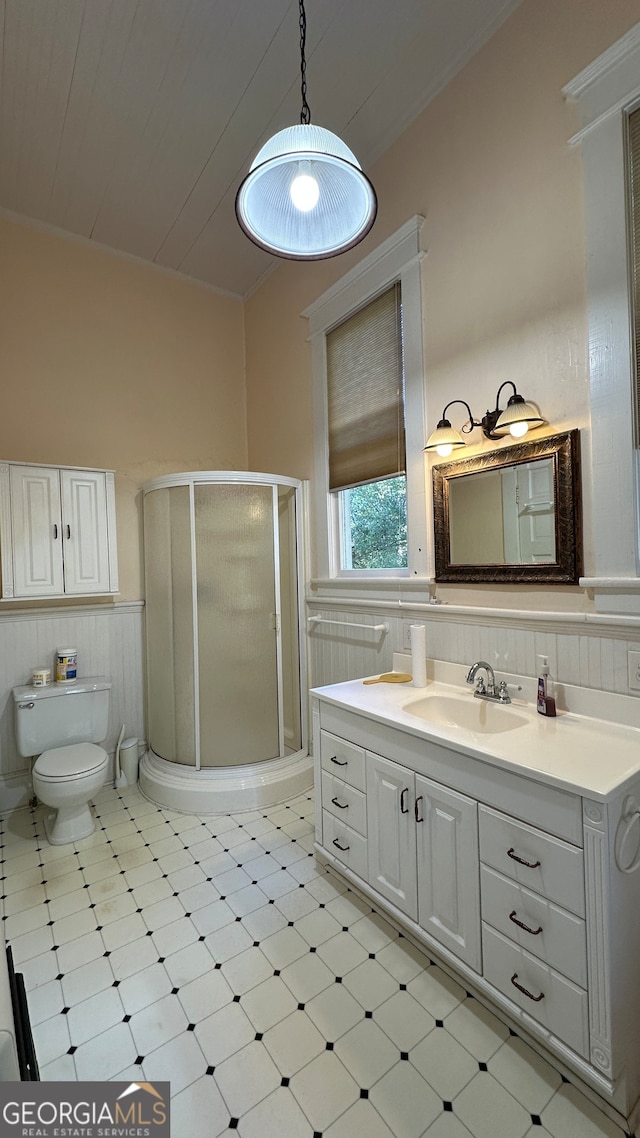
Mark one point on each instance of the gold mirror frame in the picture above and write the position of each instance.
(564, 450)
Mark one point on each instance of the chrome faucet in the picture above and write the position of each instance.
(488, 690)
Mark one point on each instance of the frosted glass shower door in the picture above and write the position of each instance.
(169, 620)
(235, 548)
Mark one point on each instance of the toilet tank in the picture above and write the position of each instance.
(58, 715)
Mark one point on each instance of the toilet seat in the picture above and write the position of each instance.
(70, 762)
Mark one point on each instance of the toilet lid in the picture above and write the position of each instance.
(64, 762)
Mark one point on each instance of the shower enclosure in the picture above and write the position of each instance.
(226, 686)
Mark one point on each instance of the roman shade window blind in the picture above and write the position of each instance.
(365, 394)
(633, 150)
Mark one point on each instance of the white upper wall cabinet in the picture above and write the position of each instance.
(57, 532)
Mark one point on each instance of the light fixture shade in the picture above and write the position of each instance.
(444, 439)
(346, 205)
(519, 414)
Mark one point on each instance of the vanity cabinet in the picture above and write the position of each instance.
(516, 883)
(58, 532)
(423, 853)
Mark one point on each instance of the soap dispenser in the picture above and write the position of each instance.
(546, 703)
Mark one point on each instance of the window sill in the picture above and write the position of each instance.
(418, 588)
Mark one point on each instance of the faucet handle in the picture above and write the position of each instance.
(480, 686)
(503, 692)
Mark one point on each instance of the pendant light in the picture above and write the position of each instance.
(305, 196)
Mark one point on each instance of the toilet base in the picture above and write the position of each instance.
(69, 824)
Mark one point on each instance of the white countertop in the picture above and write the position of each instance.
(595, 758)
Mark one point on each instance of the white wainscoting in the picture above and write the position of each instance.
(585, 650)
(110, 642)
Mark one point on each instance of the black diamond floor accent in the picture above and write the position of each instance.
(536, 1120)
(138, 1061)
(483, 1066)
(364, 1094)
(447, 1105)
(72, 1051)
(236, 999)
(368, 1015)
(284, 1082)
(125, 1019)
(300, 1007)
(329, 1047)
(65, 1011)
(404, 1055)
(439, 1023)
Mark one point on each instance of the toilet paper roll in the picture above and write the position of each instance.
(419, 655)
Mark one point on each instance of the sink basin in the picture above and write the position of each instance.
(477, 715)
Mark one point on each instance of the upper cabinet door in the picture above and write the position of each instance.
(36, 536)
(84, 531)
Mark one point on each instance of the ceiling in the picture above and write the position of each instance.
(131, 123)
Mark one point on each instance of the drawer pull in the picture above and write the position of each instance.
(416, 809)
(521, 925)
(338, 763)
(404, 809)
(338, 846)
(536, 999)
(340, 805)
(529, 864)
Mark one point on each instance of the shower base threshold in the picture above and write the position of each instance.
(224, 790)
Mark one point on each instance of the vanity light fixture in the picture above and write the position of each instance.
(305, 196)
(518, 416)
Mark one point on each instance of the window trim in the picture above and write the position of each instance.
(397, 258)
(605, 92)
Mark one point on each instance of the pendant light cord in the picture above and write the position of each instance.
(305, 113)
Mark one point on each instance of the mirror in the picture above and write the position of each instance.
(512, 515)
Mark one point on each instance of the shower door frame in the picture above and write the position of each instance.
(232, 477)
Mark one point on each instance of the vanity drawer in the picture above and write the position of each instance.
(344, 759)
(344, 843)
(537, 860)
(552, 934)
(344, 802)
(551, 999)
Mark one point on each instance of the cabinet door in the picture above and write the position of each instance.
(392, 833)
(448, 869)
(36, 531)
(84, 524)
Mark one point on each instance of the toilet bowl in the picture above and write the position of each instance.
(63, 724)
(66, 779)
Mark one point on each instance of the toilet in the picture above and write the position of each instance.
(62, 724)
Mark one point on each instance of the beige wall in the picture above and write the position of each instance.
(488, 165)
(108, 363)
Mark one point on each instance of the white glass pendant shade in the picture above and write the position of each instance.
(444, 440)
(518, 417)
(305, 196)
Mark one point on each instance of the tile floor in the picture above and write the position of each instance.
(217, 953)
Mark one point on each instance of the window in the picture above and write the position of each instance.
(369, 486)
(365, 411)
